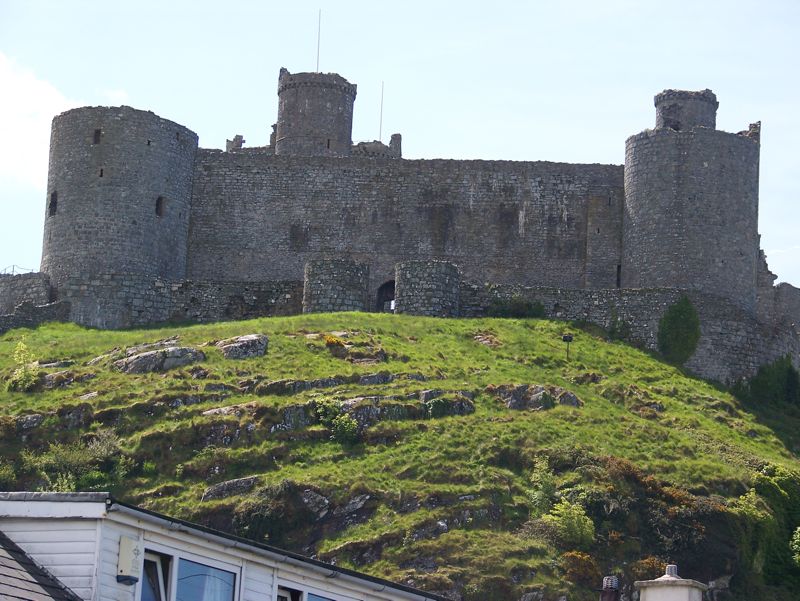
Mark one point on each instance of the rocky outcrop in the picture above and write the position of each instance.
(244, 347)
(159, 360)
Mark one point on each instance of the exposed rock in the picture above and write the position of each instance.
(57, 379)
(534, 397)
(54, 364)
(230, 488)
(236, 410)
(352, 505)
(427, 395)
(198, 373)
(296, 417)
(534, 596)
(420, 564)
(29, 422)
(316, 503)
(569, 398)
(89, 395)
(159, 360)
(75, 416)
(244, 347)
(382, 377)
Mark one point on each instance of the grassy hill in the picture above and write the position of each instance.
(468, 457)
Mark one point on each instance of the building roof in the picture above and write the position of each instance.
(22, 579)
(112, 505)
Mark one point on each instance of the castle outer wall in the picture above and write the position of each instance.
(262, 217)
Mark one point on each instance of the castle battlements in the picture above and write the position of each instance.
(143, 226)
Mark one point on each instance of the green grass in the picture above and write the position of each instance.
(658, 459)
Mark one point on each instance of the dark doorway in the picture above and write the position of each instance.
(385, 300)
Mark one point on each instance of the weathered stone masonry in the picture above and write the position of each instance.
(142, 226)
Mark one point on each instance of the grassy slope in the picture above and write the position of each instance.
(662, 463)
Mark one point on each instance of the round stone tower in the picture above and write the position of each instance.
(315, 114)
(681, 110)
(118, 194)
(691, 203)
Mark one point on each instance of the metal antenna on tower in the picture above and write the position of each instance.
(319, 32)
(380, 125)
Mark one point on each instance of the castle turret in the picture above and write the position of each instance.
(118, 194)
(315, 114)
(681, 110)
(691, 203)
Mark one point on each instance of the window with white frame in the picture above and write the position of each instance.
(183, 577)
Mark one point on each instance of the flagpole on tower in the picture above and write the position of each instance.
(380, 124)
(319, 32)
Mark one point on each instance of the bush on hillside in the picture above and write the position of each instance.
(776, 382)
(679, 332)
(25, 376)
(516, 306)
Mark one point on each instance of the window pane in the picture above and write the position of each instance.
(197, 582)
(313, 597)
(151, 588)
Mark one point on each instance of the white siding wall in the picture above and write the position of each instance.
(257, 585)
(108, 587)
(65, 547)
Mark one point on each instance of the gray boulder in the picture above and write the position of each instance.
(230, 488)
(159, 360)
(244, 347)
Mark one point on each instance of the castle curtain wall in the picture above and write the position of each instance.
(262, 217)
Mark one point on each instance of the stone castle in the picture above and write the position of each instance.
(143, 226)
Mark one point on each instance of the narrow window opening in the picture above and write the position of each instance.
(160, 206)
(329, 142)
(97, 134)
(53, 206)
(148, 142)
(177, 135)
(598, 230)
(101, 172)
(609, 201)
(619, 276)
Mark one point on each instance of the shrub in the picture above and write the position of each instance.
(327, 411)
(572, 526)
(618, 328)
(516, 306)
(344, 429)
(580, 568)
(25, 376)
(438, 407)
(543, 487)
(679, 332)
(776, 382)
(93, 465)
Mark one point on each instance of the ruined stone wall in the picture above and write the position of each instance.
(335, 285)
(427, 288)
(260, 217)
(732, 344)
(125, 300)
(118, 194)
(691, 213)
(15, 289)
(29, 315)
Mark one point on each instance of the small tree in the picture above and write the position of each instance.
(679, 332)
(25, 376)
(573, 527)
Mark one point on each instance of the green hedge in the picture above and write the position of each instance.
(679, 332)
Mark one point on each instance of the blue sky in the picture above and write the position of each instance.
(540, 80)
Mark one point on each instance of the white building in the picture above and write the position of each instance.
(104, 550)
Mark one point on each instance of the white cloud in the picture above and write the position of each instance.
(27, 107)
(116, 97)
